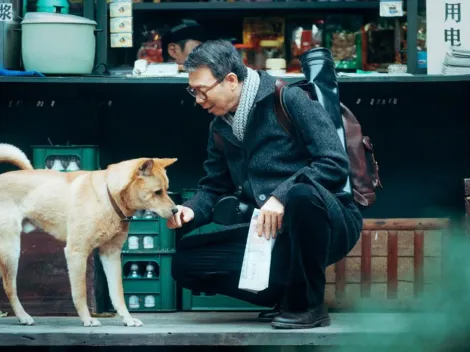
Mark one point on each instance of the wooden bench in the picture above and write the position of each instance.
(395, 262)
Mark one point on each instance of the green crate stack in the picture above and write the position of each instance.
(148, 236)
(66, 157)
(206, 301)
(150, 245)
(155, 293)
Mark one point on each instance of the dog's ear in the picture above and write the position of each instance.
(145, 169)
(165, 162)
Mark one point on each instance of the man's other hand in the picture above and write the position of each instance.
(183, 216)
(270, 218)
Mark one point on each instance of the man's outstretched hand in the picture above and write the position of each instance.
(183, 216)
(270, 218)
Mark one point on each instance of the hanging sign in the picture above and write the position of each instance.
(391, 8)
(447, 29)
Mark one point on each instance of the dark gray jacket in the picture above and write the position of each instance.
(269, 161)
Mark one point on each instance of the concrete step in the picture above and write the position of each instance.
(224, 329)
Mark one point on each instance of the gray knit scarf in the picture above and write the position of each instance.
(248, 95)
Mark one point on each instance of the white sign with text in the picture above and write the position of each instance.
(447, 25)
(6, 12)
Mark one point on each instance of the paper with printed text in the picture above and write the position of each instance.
(254, 276)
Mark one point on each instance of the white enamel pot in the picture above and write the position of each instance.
(54, 43)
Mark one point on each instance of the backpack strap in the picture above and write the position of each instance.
(281, 113)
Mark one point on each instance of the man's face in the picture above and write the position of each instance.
(216, 97)
(180, 54)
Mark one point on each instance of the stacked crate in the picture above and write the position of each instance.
(66, 157)
(146, 265)
(207, 301)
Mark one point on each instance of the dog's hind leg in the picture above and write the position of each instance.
(10, 250)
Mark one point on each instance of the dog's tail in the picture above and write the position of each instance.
(13, 155)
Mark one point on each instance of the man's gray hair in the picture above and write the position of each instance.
(219, 56)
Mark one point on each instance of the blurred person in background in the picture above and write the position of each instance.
(180, 40)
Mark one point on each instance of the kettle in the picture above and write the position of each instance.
(55, 6)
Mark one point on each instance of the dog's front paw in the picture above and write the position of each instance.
(26, 320)
(91, 322)
(132, 322)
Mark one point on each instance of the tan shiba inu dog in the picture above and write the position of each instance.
(84, 209)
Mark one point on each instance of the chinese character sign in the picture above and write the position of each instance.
(6, 12)
(447, 25)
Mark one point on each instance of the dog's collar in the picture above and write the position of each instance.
(116, 207)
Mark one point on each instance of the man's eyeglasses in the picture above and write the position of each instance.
(203, 94)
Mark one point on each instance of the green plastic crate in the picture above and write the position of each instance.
(145, 226)
(87, 157)
(142, 285)
(162, 286)
(163, 237)
(159, 303)
(193, 301)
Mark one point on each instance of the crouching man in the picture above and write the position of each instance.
(299, 184)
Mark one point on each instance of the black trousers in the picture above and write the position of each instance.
(318, 230)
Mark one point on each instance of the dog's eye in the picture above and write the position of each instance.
(159, 192)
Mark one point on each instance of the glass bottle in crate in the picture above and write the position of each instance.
(148, 215)
(57, 165)
(134, 302)
(150, 271)
(133, 242)
(148, 242)
(73, 164)
(134, 272)
(138, 214)
(149, 301)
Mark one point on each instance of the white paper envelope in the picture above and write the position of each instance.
(256, 265)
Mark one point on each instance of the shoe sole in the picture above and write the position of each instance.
(264, 320)
(319, 323)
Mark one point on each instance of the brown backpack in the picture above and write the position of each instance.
(364, 168)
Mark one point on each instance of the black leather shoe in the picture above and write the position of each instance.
(317, 317)
(269, 315)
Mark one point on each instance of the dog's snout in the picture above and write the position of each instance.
(174, 210)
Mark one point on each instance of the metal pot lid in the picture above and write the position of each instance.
(48, 17)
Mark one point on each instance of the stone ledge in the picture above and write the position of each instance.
(221, 329)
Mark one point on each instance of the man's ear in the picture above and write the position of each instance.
(172, 50)
(145, 169)
(232, 80)
(165, 162)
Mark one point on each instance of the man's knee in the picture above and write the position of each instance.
(186, 271)
(301, 194)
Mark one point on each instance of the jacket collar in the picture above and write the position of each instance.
(265, 89)
(267, 86)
